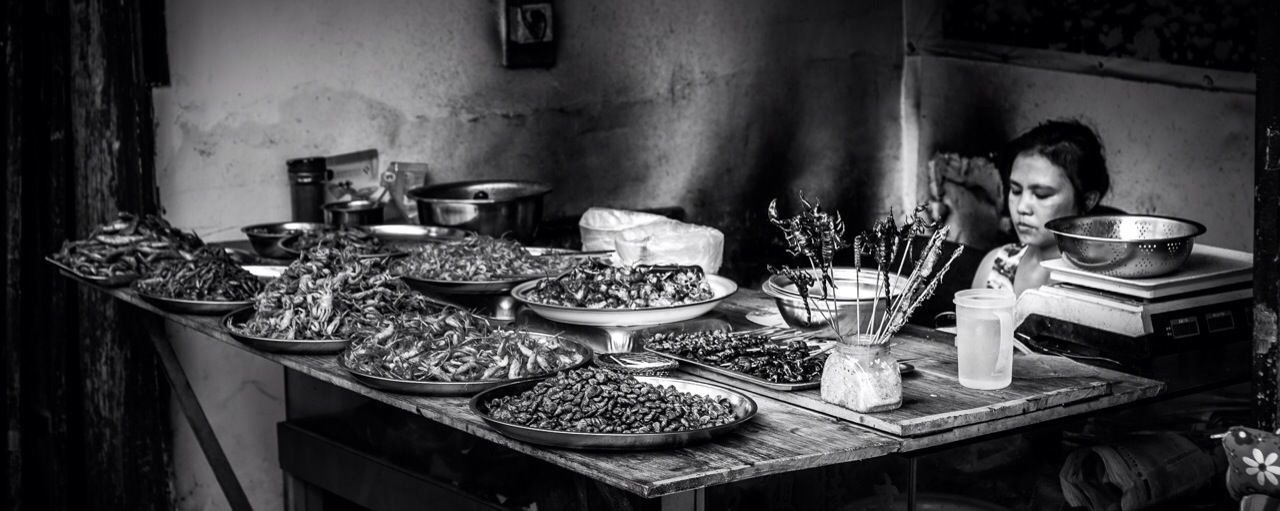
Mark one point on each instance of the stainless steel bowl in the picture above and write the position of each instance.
(744, 409)
(1126, 246)
(353, 213)
(851, 301)
(494, 208)
(266, 238)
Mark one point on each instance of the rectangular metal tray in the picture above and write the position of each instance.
(702, 369)
(116, 281)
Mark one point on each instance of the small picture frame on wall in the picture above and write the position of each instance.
(528, 34)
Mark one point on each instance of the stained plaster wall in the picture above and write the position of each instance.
(1174, 151)
(716, 106)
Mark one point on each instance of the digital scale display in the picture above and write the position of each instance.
(1221, 321)
(1204, 320)
(1183, 327)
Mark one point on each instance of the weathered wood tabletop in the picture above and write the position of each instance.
(788, 434)
(933, 399)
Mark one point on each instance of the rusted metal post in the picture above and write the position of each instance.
(1266, 211)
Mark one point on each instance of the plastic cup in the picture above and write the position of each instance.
(984, 338)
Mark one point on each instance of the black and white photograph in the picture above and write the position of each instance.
(641, 255)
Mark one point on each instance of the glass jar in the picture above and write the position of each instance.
(862, 376)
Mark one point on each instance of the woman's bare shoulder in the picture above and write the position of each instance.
(1005, 255)
(984, 268)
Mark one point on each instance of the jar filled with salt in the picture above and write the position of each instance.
(863, 376)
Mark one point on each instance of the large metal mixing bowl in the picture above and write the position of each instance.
(494, 208)
(853, 299)
(1126, 246)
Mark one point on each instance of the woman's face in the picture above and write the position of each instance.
(1039, 191)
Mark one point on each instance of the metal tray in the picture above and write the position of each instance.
(721, 287)
(116, 281)
(784, 387)
(479, 287)
(743, 407)
(457, 388)
(201, 307)
(699, 367)
(413, 233)
(295, 346)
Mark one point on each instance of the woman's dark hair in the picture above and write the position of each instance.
(1069, 145)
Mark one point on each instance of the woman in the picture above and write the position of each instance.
(1053, 171)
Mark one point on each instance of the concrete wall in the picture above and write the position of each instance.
(1173, 151)
(716, 106)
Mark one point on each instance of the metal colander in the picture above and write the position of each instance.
(1126, 246)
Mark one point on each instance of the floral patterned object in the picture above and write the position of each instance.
(1254, 462)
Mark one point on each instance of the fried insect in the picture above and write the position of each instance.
(342, 239)
(602, 401)
(755, 355)
(330, 294)
(596, 285)
(208, 274)
(477, 259)
(128, 245)
(453, 345)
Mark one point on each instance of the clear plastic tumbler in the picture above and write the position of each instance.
(984, 338)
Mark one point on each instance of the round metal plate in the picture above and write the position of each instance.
(112, 281)
(458, 388)
(744, 408)
(201, 307)
(295, 346)
(721, 288)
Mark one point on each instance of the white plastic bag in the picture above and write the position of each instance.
(671, 242)
(601, 226)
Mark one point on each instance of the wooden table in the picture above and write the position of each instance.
(789, 434)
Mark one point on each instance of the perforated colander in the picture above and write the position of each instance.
(1126, 246)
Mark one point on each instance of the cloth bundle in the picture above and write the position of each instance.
(1140, 473)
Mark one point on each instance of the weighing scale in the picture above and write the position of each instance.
(1205, 304)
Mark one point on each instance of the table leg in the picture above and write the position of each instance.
(692, 500)
(300, 495)
(911, 483)
(191, 408)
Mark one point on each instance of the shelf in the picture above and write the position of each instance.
(1120, 68)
